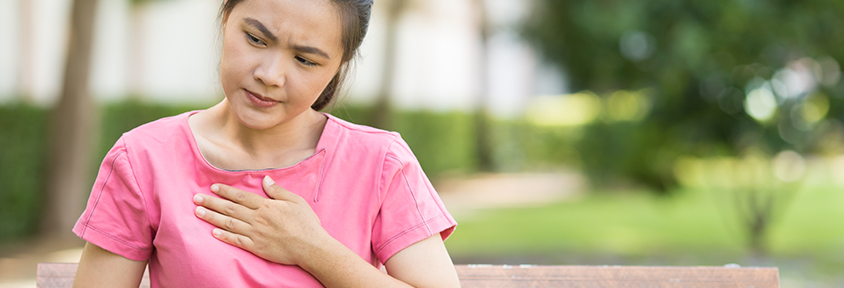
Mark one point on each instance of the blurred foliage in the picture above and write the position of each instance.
(23, 133)
(684, 41)
(520, 146)
(624, 149)
(758, 189)
(710, 65)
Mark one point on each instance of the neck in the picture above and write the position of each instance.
(301, 132)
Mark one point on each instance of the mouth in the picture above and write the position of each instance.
(259, 100)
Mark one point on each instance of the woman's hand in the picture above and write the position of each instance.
(281, 229)
(284, 229)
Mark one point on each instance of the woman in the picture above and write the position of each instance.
(195, 195)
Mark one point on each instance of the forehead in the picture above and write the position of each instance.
(303, 22)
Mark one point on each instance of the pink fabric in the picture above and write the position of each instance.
(364, 184)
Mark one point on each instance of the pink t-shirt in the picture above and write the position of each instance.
(364, 184)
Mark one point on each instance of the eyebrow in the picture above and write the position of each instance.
(260, 26)
(311, 50)
(304, 49)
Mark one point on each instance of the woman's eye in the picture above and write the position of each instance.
(305, 61)
(254, 40)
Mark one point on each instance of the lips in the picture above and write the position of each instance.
(259, 100)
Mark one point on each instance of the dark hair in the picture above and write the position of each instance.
(354, 15)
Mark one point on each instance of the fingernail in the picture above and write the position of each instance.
(269, 181)
(200, 211)
(197, 199)
(216, 233)
(215, 188)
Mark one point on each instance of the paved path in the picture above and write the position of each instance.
(464, 196)
(18, 262)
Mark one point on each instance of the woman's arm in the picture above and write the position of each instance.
(285, 230)
(423, 264)
(100, 268)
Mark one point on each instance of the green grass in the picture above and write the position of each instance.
(813, 225)
(642, 225)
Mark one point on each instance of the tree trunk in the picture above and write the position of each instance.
(136, 49)
(381, 113)
(25, 61)
(72, 130)
(482, 127)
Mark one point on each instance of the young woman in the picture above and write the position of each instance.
(199, 196)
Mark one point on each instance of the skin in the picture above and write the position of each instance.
(285, 51)
(100, 268)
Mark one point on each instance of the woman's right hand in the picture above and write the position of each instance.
(282, 229)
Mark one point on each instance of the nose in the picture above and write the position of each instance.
(271, 72)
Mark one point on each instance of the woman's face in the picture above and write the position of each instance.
(278, 56)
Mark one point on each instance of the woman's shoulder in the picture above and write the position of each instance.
(366, 140)
(357, 132)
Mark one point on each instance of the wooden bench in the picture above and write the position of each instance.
(60, 275)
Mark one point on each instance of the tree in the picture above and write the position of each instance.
(482, 128)
(72, 129)
(26, 47)
(720, 73)
(701, 59)
(381, 112)
(137, 37)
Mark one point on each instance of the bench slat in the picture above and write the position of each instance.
(472, 276)
(60, 275)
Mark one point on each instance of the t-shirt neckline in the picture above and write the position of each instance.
(194, 146)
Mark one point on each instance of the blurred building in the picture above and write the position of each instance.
(167, 51)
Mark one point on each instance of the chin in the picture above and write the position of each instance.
(257, 120)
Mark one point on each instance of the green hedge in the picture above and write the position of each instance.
(23, 149)
(522, 146)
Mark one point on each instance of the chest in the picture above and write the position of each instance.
(186, 251)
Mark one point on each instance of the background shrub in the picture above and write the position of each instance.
(23, 149)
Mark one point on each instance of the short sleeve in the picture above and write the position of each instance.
(411, 210)
(116, 217)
